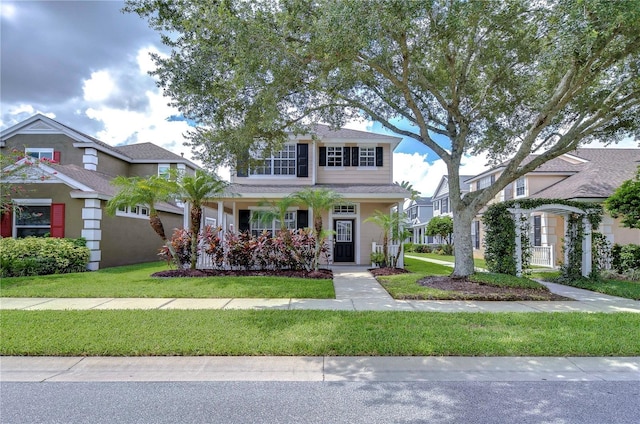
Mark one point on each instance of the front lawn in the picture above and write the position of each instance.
(136, 281)
(314, 333)
(405, 286)
(612, 287)
(479, 263)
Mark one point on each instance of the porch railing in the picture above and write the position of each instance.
(542, 256)
(393, 251)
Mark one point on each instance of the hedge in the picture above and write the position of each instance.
(41, 256)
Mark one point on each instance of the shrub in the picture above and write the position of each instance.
(626, 257)
(41, 256)
(409, 247)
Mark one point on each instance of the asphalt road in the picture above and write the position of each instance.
(322, 402)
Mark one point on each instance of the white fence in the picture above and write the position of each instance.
(542, 256)
(393, 251)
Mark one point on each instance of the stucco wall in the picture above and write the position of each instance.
(132, 240)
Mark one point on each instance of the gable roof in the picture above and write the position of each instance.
(603, 171)
(132, 153)
(325, 133)
(444, 181)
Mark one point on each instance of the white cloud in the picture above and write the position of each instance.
(99, 87)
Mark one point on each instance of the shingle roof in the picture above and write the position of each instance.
(605, 171)
(345, 189)
(344, 133)
(148, 151)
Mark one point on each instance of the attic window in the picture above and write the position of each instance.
(39, 153)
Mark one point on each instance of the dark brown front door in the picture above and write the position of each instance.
(344, 246)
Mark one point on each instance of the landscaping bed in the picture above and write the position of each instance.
(320, 274)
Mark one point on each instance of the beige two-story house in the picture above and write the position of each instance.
(65, 194)
(355, 164)
(584, 175)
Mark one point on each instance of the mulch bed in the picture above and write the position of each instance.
(463, 289)
(320, 274)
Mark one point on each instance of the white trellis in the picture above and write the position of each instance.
(562, 210)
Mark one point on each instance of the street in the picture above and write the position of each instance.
(594, 402)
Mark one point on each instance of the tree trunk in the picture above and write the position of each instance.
(156, 224)
(196, 219)
(463, 245)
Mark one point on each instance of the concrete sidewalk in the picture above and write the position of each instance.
(356, 290)
(312, 368)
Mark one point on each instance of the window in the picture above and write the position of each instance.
(280, 163)
(344, 231)
(520, 187)
(133, 212)
(444, 205)
(39, 153)
(258, 226)
(436, 205)
(33, 221)
(485, 182)
(334, 156)
(344, 210)
(367, 156)
(182, 169)
(475, 234)
(163, 170)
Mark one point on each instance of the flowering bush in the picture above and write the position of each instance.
(244, 251)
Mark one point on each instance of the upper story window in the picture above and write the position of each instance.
(182, 169)
(485, 182)
(163, 170)
(444, 205)
(39, 153)
(334, 156)
(280, 163)
(520, 187)
(367, 157)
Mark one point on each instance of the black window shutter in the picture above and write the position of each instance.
(355, 154)
(323, 156)
(302, 158)
(537, 230)
(379, 156)
(244, 217)
(302, 219)
(346, 160)
(242, 165)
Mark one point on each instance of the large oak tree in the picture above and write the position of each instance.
(509, 78)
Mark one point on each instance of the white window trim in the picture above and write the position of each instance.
(524, 188)
(336, 149)
(257, 156)
(128, 213)
(28, 202)
(163, 165)
(38, 150)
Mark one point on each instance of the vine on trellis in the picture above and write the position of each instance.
(500, 238)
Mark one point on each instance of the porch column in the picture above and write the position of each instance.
(220, 220)
(586, 248)
(565, 218)
(517, 217)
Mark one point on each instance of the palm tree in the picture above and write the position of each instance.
(415, 194)
(195, 189)
(138, 191)
(320, 200)
(393, 226)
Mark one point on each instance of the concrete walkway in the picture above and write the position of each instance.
(356, 290)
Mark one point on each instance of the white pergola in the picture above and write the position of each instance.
(562, 210)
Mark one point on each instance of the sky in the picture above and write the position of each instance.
(86, 63)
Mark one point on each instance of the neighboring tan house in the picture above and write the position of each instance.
(584, 175)
(66, 195)
(355, 164)
(419, 212)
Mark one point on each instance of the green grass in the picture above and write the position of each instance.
(404, 286)
(175, 332)
(612, 287)
(479, 263)
(136, 281)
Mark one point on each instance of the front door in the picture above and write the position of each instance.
(344, 246)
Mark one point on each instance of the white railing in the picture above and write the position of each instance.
(393, 251)
(542, 256)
